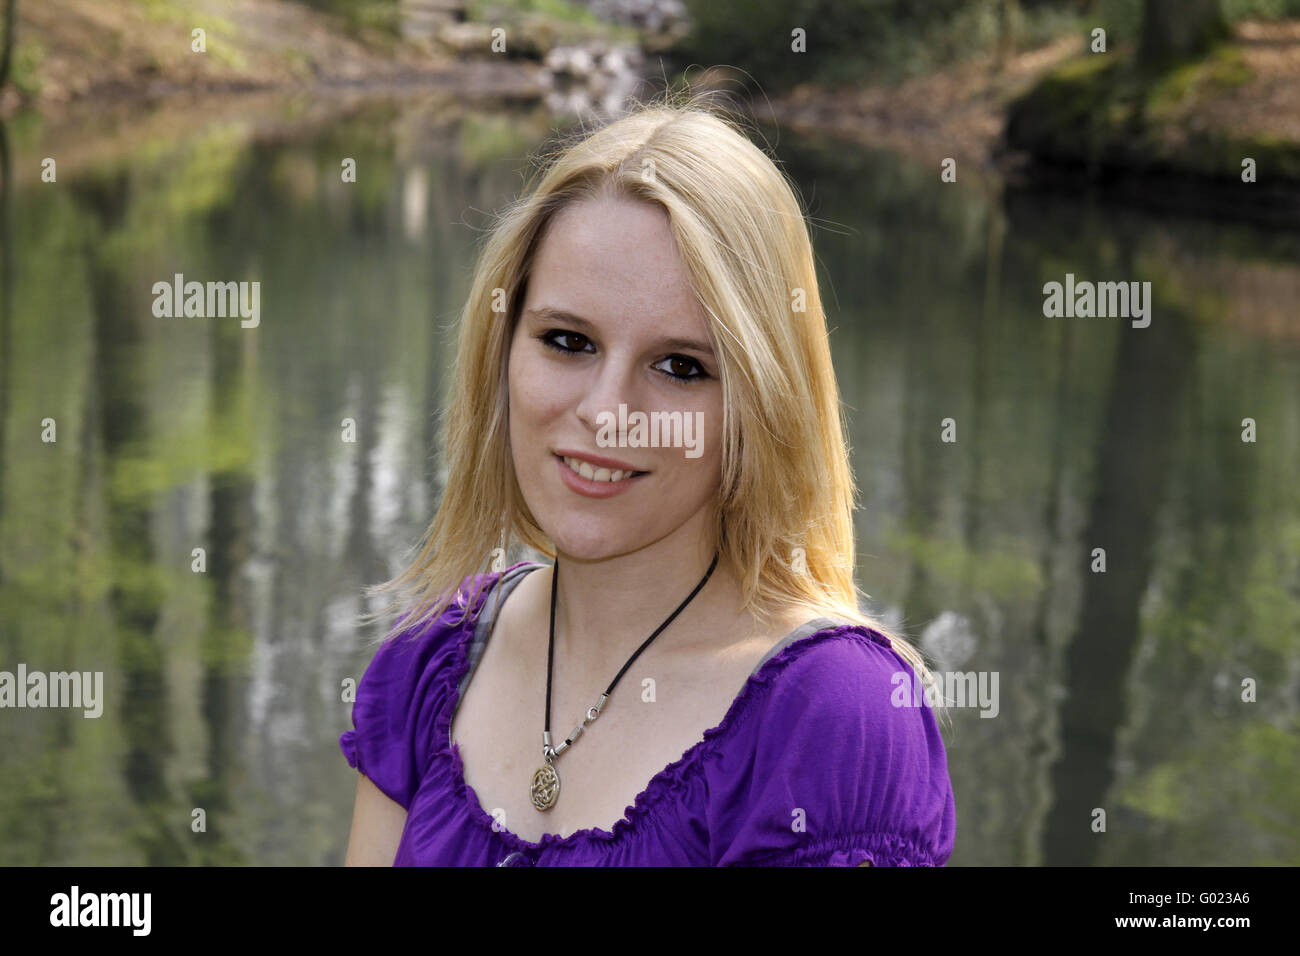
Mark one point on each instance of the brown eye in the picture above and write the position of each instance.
(681, 367)
(566, 341)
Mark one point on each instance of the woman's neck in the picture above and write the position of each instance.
(606, 609)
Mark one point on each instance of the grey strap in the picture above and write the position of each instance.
(807, 629)
(487, 617)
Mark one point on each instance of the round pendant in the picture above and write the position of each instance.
(546, 787)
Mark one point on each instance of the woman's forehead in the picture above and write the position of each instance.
(613, 263)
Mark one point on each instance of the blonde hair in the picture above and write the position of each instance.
(784, 521)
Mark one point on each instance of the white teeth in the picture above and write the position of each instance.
(596, 474)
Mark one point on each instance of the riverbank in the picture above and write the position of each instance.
(1058, 105)
(79, 56)
(1212, 117)
(74, 51)
(957, 112)
(995, 114)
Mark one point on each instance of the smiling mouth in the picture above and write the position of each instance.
(586, 470)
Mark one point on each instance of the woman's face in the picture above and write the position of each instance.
(609, 320)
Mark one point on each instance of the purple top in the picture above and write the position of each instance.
(811, 766)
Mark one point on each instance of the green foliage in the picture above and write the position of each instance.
(862, 40)
(1122, 19)
(1226, 787)
(1104, 111)
(995, 570)
(362, 15)
(165, 11)
(1261, 9)
(537, 26)
(25, 71)
(485, 138)
(563, 10)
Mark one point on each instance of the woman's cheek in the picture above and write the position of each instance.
(528, 389)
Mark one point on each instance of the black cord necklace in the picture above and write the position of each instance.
(545, 788)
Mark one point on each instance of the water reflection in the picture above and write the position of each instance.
(1119, 690)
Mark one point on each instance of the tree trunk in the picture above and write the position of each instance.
(11, 24)
(1180, 29)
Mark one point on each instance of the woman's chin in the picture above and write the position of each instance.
(595, 543)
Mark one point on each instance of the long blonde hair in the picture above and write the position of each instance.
(785, 509)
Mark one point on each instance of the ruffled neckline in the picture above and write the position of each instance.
(668, 780)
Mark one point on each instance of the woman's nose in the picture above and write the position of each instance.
(611, 384)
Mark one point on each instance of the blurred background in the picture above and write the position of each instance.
(1120, 690)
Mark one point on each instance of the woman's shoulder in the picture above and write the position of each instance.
(829, 665)
(825, 760)
(476, 597)
(404, 691)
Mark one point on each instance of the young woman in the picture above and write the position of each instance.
(644, 392)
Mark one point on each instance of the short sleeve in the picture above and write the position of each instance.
(396, 709)
(834, 771)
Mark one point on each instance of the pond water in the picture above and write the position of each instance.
(1118, 690)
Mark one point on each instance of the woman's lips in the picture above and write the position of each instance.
(590, 487)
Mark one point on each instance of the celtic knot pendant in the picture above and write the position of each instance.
(545, 790)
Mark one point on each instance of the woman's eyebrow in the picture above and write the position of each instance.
(685, 345)
(559, 315)
(583, 325)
